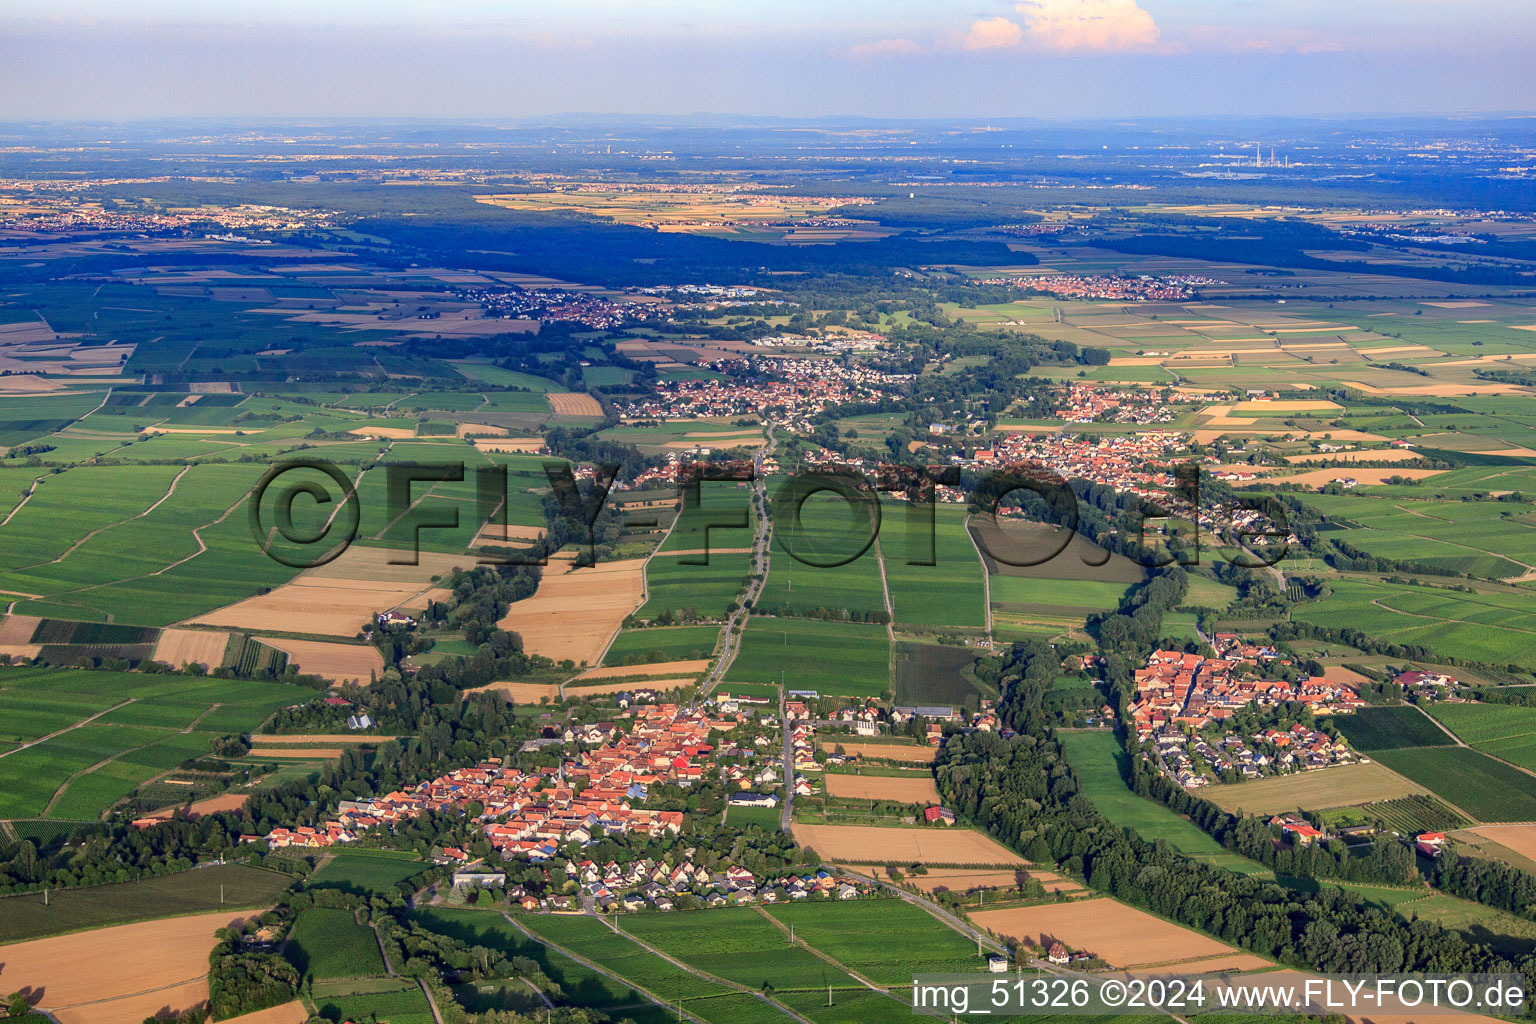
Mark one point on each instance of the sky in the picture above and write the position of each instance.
(1052, 59)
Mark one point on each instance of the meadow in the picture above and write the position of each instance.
(327, 943)
(1097, 758)
(1483, 723)
(365, 871)
(1391, 728)
(840, 658)
(591, 939)
(1494, 627)
(201, 890)
(737, 944)
(936, 674)
(1479, 538)
(824, 561)
(948, 594)
(886, 941)
(579, 984)
(396, 1001)
(1470, 781)
(86, 768)
(675, 643)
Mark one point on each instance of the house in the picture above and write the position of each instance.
(938, 815)
(362, 720)
(754, 800)
(479, 879)
(997, 963)
(1430, 844)
(394, 619)
(1057, 954)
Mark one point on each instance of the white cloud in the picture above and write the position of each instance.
(1069, 26)
(1088, 24)
(992, 33)
(885, 48)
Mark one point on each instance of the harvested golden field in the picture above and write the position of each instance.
(655, 668)
(575, 688)
(574, 404)
(105, 974)
(212, 805)
(387, 433)
(501, 533)
(340, 663)
(884, 751)
(312, 604)
(288, 1013)
(373, 564)
(294, 753)
(26, 384)
(178, 647)
(521, 693)
(514, 444)
(1123, 936)
(18, 629)
(575, 613)
(870, 844)
(1214, 964)
(325, 738)
(1339, 786)
(162, 1002)
(480, 430)
(919, 789)
(338, 598)
(1519, 838)
(1340, 674)
(965, 881)
(1367, 455)
(1376, 475)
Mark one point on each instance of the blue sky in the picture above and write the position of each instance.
(918, 58)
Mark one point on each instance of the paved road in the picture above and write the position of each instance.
(759, 568)
(788, 809)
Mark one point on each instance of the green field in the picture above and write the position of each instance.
(947, 594)
(761, 817)
(1494, 627)
(824, 562)
(936, 674)
(365, 871)
(86, 768)
(831, 657)
(1096, 758)
(1477, 784)
(580, 985)
(589, 938)
(1067, 595)
(886, 941)
(396, 1001)
(1508, 732)
(674, 643)
(188, 892)
(1391, 728)
(326, 943)
(1476, 538)
(737, 944)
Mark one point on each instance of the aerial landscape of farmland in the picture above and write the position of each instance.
(1024, 501)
